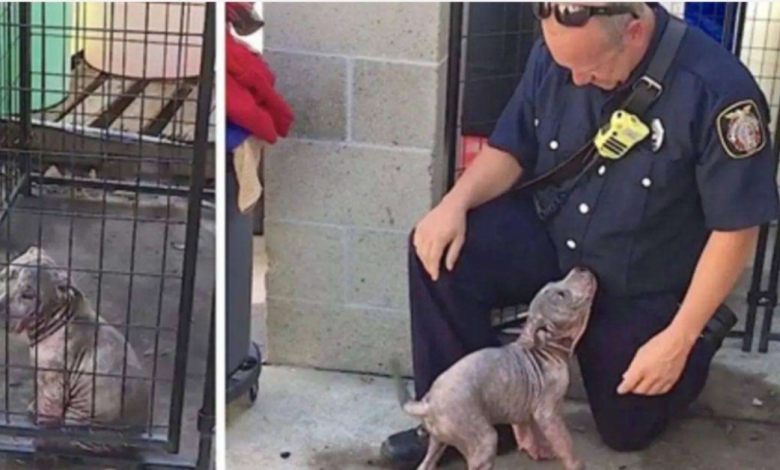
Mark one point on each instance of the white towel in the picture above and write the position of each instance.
(246, 160)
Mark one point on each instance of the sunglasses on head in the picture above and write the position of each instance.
(576, 15)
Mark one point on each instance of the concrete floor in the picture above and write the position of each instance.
(307, 419)
(138, 299)
(329, 420)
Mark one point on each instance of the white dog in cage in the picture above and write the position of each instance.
(79, 369)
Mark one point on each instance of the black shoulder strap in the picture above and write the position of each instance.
(644, 92)
(650, 85)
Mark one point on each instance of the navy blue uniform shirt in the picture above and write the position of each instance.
(641, 222)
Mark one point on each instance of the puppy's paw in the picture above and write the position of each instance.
(532, 443)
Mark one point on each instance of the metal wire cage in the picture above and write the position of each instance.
(106, 162)
(488, 50)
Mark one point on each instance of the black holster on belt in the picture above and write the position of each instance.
(548, 201)
(552, 189)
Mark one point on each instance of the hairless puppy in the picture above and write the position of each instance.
(79, 358)
(522, 383)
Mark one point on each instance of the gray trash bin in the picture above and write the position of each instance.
(242, 354)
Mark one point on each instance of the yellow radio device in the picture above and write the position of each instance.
(622, 132)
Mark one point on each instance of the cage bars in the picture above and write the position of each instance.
(27, 148)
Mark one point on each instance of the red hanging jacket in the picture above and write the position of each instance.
(252, 102)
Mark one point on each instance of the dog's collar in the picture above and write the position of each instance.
(45, 326)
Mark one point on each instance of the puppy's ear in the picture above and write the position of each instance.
(32, 250)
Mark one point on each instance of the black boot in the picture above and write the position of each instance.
(407, 449)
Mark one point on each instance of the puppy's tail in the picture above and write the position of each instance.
(409, 405)
(402, 393)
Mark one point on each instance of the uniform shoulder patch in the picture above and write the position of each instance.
(741, 130)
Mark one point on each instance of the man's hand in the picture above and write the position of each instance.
(658, 364)
(491, 173)
(444, 226)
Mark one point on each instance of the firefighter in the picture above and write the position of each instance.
(667, 221)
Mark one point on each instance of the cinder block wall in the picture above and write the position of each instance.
(367, 83)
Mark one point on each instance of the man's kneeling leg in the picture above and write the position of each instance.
(618, 329)
(506, 258)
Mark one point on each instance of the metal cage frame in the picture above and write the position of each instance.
(154, 453)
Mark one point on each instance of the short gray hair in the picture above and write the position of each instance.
(616, 24)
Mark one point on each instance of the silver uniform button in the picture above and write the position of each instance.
(571, 244)
(584, 209)
(553, 144)
(536, 122)
(602, 170)
(646, 182)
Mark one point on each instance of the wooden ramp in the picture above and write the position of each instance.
(109, 115)
(154, 108)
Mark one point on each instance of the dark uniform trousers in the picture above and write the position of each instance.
(506, 259)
